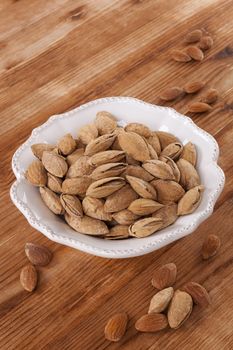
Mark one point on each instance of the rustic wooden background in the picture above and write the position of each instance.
(56, 55)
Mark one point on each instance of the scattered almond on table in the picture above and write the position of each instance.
(115, 182)
(168, 307)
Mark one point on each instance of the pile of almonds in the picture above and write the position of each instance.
(168, 307)
(116, 182)
(194, 52)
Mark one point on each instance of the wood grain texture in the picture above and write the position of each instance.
(56, 55)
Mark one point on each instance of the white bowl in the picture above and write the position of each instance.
(126, 109)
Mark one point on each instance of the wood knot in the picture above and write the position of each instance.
(226, 52)
(77, 13)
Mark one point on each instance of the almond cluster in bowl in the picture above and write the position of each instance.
(116, 182)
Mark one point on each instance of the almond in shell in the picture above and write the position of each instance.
(54, 163)
(36, 174)
(153, 140)
(180, 309)
(94, 207)
(105, 187)
(51, 200)
(105, 157)
(118, 232)
(159, 169)
(138, 171)
(168, 191)
(144, 206)
(165, 138)
(189, 153)
(145, 227)
(71, 158)
(81, 167)
(108, 170)
(39, 148)
(210, 246)
(198, 293)
(161, 300)
(87, 225)
(71, 204)
(189, 177)
(38, 254)
(125, 217)
(138, 128)
(28, 278)
(143, 188)
(152, 151)
(134, 145)
(105, 122)
(100, 144)
(67, 144)
(168, 214)
(151, 323)
(174, 167)
(190, 201)
(87, 133)
(54, 183)
(164, 276)
(116, 327)
(173, 150)
(120, 199)
(76, 186)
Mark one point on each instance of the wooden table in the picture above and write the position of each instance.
(56, 55)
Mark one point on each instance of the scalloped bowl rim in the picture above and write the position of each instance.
(154, 244)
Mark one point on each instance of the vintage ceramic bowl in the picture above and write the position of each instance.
(126, 109)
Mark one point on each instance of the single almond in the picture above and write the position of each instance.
(54, 164)
(210, 246)
(161, 300)
(67, 144)
(138, 128)
(134, 145)
(120, 199)
(195, 53)
(125, 217)
(189, 176)
(105, 187)
(171, 93)
(189, 153)
(51, 200)
(39, 148)
(143, 206)
(105, 122)
(87, 133)
(168, 191)
(151, 323)
(87, 225)
(105, 157)
(168, 214)
(54, 183)
(77, 185)
(143, 188)
(38, 254)
(173, 150)
(198, 293)
(145, 227)
(36, 174)
(138, 171)
(116, 327)
(100, 144)
(28, 278)
(190, 201)
(193, 86)
(159, 169)
(180, 56)
(165, 138)
(193, 36)
(206, 42)
(210, 96)
(71, 204)
(164, 276)
(180, 309)
(199, 107)
(118, 232)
